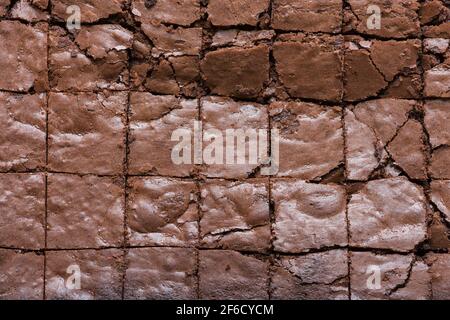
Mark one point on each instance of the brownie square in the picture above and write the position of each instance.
(29, 10)
(101, 273)
(87, 132)
(236, 12)
(153, 121)
(308, 216)
(440, 196)
(236, 72)
(311, 141)
(440, 284)
(162, 212)
(437, 115)
(247, 119)
(96, 59)
(91, 11)
(22, 135)
(388, 214)
(307, 16)
(183, 13)
(23, 56)
(378, 132)
(299, 59)
(235, 215)
(84, 211)
(316, 276)
(230, 275)
(401, 277)
(434, 18)
(374, 67)
(22, 275)
(161, 274)
(399, 18)
(22, 208)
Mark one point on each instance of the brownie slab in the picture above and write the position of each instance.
(22, 208)
(235, 215)
(87, 132)
(231, 275)
(23, 56)
(316, 276)
(308, 216)
(22, 135)
(161, 274)
(84, 211)
(162, 212)
(22, 275)
(100, 276)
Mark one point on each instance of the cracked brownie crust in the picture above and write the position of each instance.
(92, 206)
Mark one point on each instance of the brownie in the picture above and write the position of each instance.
(22, 138)
(434, 17)
(440, 284)
(378, 131)
(235, 215)
(183, 13)
(402, 277)
(440, 196)
(399, 18)
(22, 207)
(241, 38)
(308, 216)
(100, 274)
(229, 275)
(307, 16)
(237, 12)
(161, 274)
(30, 10)
(299, 59)
(388, 214)
(153, 122)
(437, 114)
(387, 68)
(436, 64)
(87, 132)
(23, 56)
(311, 142)
(22, 275)
(316, 276)
(91, 10)
(84, 211)
(247, 119)
(237, 72)
(96, 59)
(162, 212)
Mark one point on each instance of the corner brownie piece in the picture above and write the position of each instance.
(22, 275)
(84, 211)
(101, 273)
(221, 114)
(22, 207)
(308, 216)
(311, 140)
(399, 18)
(401, 277)
(307, 16)
(153, 120)
(437, 115)
(161, 274)
(316, 276)
(235, 215)
(96, 59)
(229, 275)
(434, 17)
(162, 212)
(236, 12)
(388, 214)
(22, 135)
(439, 270)
(23, 56)
(299, 59)
(87, 132)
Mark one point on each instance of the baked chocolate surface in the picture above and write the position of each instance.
(94, 206)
